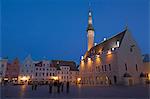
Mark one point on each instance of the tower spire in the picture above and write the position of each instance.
(90, 26)
(90, 29)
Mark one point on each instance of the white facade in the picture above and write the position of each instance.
(45, 71)
(26, 70)
(66, 74)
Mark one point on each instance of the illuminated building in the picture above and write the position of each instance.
(66, 71)
(116, 60)
(26, 70)
(12, 70)
(45, 71)
(3, 66)
(146, 68)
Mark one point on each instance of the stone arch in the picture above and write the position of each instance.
(102, 80)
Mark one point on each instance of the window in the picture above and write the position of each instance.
(35, 74)
(47, 69)
(131, 49)
(105, 68)
(126, 68)
(43, 74)
(47, 74)
(117, 43)
(43, 68)
(136, 67)
(36, 68)
(2, 65)
(50, 74)
(53, 74)
(102, 68)
(109, 67)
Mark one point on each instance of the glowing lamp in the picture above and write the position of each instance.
(54, 77)
(78, 79)
(109, 52)
(112, 49)
(104, 39)
(89, 59)
(95, 44)
(97, 56)
(82, 57)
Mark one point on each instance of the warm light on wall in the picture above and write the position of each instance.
(149, 76)
(24, 78)
(109, 52)
(54, 77)
(89, 59)
(78, 80)
(97, 56)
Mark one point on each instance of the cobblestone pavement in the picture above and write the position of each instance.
(101, 92)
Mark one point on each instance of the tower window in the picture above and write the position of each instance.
(131, 49)
(109, 67)
(126, 68)
(136, 67)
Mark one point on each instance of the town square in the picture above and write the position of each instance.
(74, 49)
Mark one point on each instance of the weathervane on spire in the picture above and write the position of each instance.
(90, 8)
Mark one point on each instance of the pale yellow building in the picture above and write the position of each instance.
(116, 60)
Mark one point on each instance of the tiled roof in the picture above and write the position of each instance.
(59, 63)
(105, 45)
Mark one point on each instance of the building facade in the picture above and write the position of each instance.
(3, 66)
(116, 60)
(66, 71)
(12, 71)
(45, 71)
(26, 73)
(146, 69)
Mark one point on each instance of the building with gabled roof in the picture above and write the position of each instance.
(116, 60)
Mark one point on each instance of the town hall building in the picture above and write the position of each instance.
(116, 60)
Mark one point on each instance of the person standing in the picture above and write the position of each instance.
(50, 87)
(58, 87)
(62, 86)
(67, 87)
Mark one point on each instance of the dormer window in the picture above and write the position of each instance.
(105, 39)
(118, 43)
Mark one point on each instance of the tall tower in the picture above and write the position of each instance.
(90, 31)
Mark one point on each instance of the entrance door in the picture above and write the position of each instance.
(115, 79)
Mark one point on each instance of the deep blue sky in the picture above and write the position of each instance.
(56, 29)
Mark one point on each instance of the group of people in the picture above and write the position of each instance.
(34, 86)
(59, 86)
